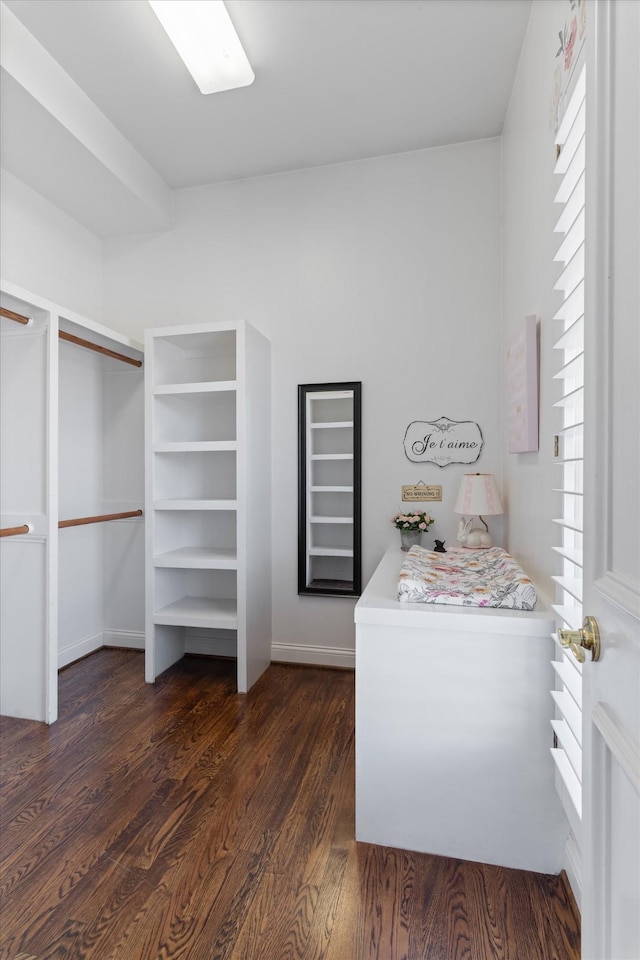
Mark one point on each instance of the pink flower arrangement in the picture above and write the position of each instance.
(407, 522)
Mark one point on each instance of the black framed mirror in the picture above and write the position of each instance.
(329, 489)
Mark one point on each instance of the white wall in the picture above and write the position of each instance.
(530, 214)
(386, 271)
(46, 251)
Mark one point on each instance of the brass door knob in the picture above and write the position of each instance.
(588, 638)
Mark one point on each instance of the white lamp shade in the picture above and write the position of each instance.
(478, 496)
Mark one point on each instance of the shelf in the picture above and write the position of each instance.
(330, 519)
(336, 425)
(199, 612)
(187, 389)
(195, 505)
(196, 446)
(331, 489)
(208, 402)
(192, 354)
(331, 456)
(329, 588)
(199, 558)
(330, 552)
(329, 466)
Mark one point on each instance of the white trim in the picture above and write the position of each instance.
(129, 639)
(78, 649)
(52, 447)
(619, 592)
(618, 743)
(210, 646)
(573, 867)
(317, 656)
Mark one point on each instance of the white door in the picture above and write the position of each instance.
(611, 686)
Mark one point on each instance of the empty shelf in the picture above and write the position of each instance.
(330, 519)
(195, 446)
(199, 558)
(199, 612)
(189, 504)
(330, 552)
(331, 586)
(332, 456)
(331, 489)
(187, 389)
(337, 425)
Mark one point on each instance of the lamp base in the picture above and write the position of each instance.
(477, 539)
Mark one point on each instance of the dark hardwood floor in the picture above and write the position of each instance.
(180, 820)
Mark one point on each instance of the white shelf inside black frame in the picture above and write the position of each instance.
(329, 489)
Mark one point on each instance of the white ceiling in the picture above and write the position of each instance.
(336, 80)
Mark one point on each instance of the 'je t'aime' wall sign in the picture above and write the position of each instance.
(443, 441)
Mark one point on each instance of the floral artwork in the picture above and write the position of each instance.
(571, 39)
(465, 578)
(522, 390)
(567, 41)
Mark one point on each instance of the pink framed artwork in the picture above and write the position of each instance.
(522, 389)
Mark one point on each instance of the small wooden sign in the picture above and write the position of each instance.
(421, 493)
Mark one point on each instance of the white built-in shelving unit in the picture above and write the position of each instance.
(329, 489)
(207, 390)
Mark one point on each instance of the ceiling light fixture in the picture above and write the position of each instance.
(204, 36)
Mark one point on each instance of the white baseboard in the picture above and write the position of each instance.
(318, 656)
(210, 646)
(573, 867)
(78, 649)
(213, 646)
(130, 639)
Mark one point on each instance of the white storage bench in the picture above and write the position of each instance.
(452, 728)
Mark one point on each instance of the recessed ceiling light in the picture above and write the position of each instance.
(202, 33)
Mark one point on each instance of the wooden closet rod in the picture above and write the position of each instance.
(10, 315)
(94, 346)
(15, 531)
(79, 521)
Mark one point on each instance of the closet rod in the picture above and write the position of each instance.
(15, 531)
(94, 346)
(79, 521)
(18, 317)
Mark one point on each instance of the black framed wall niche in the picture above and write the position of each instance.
(329, 489)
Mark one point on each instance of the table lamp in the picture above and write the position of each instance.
(478, 495)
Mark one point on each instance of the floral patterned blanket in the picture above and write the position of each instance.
(469, 578)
